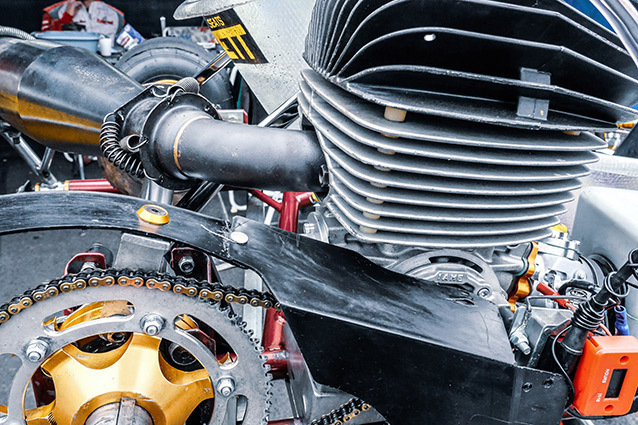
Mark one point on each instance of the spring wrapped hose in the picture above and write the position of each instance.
(114, 153)
(15, 33)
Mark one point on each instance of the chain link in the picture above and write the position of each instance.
(344, 413)
(151, 280)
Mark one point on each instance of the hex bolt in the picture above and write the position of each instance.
(226, 386)
(152, 324)
(521, 342)
(186, 264)
(483, 292)
(37, 350)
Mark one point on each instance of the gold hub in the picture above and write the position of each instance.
(136, 370)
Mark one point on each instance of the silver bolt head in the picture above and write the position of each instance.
(226, 386)
(152, 324)
(239, 237)
(186, 264)
(36, 350)
(483, 292)
(580, 274)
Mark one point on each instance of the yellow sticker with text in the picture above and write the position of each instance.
(232, 35)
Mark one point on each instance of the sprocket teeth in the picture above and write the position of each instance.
(71, 283)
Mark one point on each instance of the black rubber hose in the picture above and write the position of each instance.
(579, 284)
(197, 197)
(15, 33)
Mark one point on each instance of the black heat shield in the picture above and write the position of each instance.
(417, 351)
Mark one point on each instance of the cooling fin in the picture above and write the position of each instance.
(460, 123)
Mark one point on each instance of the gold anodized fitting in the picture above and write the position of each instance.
(153, 214)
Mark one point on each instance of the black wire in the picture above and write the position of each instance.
(578, 284)
(569, 380)
(593, 271)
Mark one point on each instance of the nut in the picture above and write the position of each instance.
(226, 386)
(152, 324)
(36, 350)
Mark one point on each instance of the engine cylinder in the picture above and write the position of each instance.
(459, 124)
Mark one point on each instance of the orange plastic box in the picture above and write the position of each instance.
(607, 376)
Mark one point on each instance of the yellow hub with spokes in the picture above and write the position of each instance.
(136, 370)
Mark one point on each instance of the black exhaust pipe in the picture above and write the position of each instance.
(186, 142)
(59, 95)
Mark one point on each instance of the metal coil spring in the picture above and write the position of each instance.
(586, 317)
(114, 153)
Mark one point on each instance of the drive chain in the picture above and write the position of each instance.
(151, 280)
(163, 282)
(344, 413)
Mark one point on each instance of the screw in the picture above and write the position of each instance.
(186, 264)
(226, 386)
(36, 350)
(522, 343)
(580, 274)
(152, 324)
(483, 292)
(239, 237)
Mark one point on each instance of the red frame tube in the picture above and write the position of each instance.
(97, 185)
(273, 337)
(292, 203)
(266, 199)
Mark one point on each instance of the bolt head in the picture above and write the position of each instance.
(226, 386)
(36, 350)
(483, 292)
(580, 274)
(152, 324)
(34, 357)
(186, 264)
